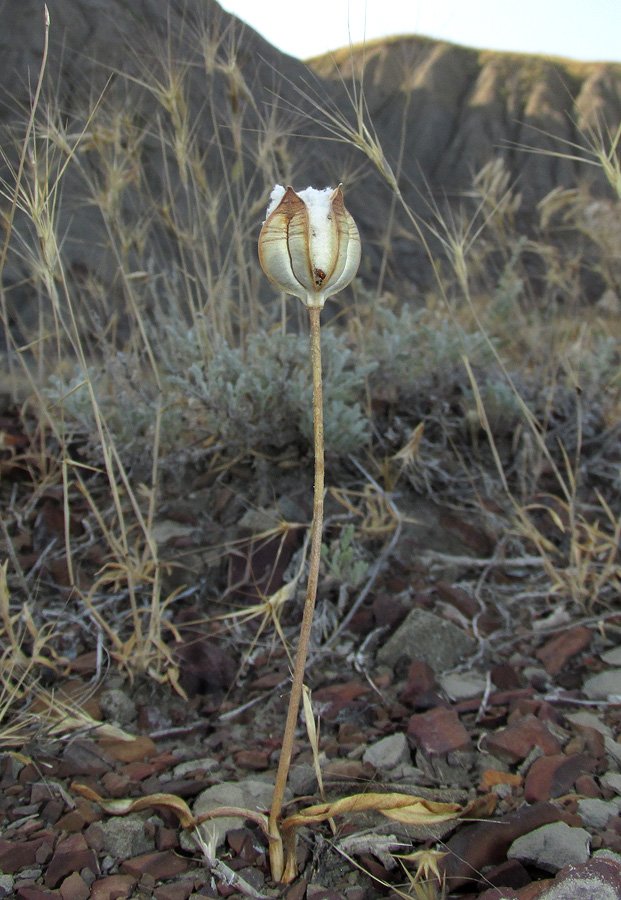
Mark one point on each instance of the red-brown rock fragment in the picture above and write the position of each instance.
(34, 892)
(554, 776)
(17, 855)
(74, 888)
(559, 649)
(421, 689)
(114, 887)
(71, 855)
(438, 731)
(514, 743)
(252, 759)
(160, 865)
(138, 749)
(181, 890)
(331, 700)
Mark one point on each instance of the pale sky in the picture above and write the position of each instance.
(581, 29)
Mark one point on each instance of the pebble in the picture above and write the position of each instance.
(613, 750)
(552, 847)
(612, 781)
(604, 686)
(596, 813)
(388, 753)
(303, 779)
(612, 657)
(117, 706)
(125, 836)
(608, 854)
(465, 686)
(204, 764)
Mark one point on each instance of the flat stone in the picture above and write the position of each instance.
(167, 839)
(302, 779)
(116, 785)
(506, 677)
(438, 731)
(139, 770)
(428, 638)
(604, 686)
(552, 847)
(515, 742)
(347, 770)
(509, 874)
(464, 686)
(391, 751)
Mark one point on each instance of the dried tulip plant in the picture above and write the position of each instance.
(309, 246)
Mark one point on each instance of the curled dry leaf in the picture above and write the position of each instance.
(405, 808)
(175, 804)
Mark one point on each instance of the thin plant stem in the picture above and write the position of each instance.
(276, 848)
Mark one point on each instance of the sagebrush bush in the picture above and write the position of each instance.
(410, 349)
(257, 398)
